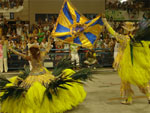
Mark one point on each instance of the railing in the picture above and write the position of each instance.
(104, 57)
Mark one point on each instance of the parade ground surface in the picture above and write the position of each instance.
(103, 95)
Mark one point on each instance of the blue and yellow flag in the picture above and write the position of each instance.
(73, 27)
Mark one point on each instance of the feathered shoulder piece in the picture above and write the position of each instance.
(24, 73)
(3, 81)
(143, 34)
(62, 65)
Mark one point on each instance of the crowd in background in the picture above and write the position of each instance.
(20, 36)
(129, 6)
(8, 4)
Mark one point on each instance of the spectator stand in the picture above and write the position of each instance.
(15, 62)
(104, 57)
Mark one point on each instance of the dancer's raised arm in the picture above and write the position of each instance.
(47, 49)
(119, 37)
(19, 54)
(48, 45)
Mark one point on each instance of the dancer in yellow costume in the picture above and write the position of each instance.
(40, 91)
(132, 62)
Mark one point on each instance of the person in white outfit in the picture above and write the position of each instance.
(116, 48)
(74, 54)
(3, 59)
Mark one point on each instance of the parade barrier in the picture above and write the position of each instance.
(104, 57)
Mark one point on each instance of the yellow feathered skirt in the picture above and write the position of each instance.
(35, 100)
(137, 73)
